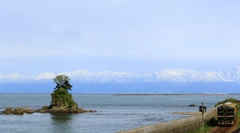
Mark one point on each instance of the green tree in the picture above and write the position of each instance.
(62, 81)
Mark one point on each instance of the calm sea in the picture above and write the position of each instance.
(114, 113)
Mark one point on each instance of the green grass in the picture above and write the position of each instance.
(238, 116)
(207, 127)
(233, 100)
(213, 122)
(62, 97)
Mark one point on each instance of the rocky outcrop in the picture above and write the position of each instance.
(8, 110)
(18, 111)
(62, 109)
(28, 110)
(192, 105)
(44, 109)
(62, 102)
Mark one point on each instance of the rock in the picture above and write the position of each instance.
(8, 110)
(18, 111)
(192, 105)
(80, 110)
(56, 109)
(92, 111)
(62, 102)
(74, 109)
(44, 109)
(37, 110)
(29, 111)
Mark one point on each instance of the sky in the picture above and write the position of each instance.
(118, 35)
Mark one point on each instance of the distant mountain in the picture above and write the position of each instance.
(166, 75)
(168, 81)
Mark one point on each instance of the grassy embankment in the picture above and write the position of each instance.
(213, 122)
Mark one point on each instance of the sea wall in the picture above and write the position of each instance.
(176, 126)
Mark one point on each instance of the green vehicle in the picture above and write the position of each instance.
(226, 113)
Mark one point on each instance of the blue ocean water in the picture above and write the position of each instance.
(114, 113)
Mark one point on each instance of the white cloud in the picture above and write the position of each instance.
(162, 32)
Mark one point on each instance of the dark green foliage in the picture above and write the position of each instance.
(207, 127)
(233, 100)
(62, 81)
(66, 85)
(212, 123)
(61, 97)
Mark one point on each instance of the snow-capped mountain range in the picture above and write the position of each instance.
(166, 75)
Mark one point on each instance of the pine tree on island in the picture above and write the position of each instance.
(62, 101)
(62, 81)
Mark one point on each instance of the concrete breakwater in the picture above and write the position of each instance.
(176, 126)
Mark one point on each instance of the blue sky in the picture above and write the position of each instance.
(118, 35)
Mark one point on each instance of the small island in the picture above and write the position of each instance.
(62, 101)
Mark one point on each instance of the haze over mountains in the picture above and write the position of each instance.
(166, 75)
(165, 81)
